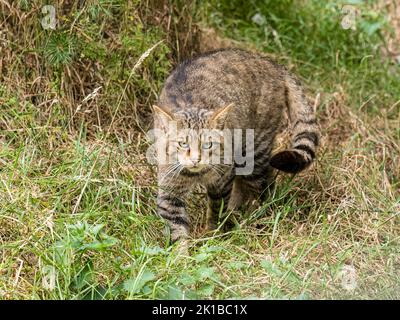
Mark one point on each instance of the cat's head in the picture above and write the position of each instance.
(194, 136)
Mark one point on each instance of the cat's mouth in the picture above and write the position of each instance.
(195, 171)
(196, 168)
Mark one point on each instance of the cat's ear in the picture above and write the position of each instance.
(164, 115)
(220, 114)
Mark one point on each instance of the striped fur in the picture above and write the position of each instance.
(229, 89)
(304, 128)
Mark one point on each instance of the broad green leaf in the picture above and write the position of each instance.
(206, 290)
(135, 285)
(201, 257)
(271, 268)
(203, 273)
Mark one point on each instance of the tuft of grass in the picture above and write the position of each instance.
(77, 213)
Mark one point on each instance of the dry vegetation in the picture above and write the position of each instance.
(77, 195)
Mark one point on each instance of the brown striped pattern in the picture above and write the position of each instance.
(305, 132)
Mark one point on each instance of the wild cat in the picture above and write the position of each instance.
(204, 100)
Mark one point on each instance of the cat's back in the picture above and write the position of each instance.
(223, 75)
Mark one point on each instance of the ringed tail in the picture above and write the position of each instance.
(304, 132)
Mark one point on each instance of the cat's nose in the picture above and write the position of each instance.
(195, 161)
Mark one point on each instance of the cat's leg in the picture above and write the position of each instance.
(218, 195)
(214, 204)
(238, 195)
(261, 182)
(171, 207)
(268, 185)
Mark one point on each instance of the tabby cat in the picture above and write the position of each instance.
(225, 90)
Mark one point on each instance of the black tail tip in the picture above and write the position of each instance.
(289, 161)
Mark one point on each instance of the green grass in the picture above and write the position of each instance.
(309, 38)
(77, 213)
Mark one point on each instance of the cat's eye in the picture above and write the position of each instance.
(183, 144)
(206, 145)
